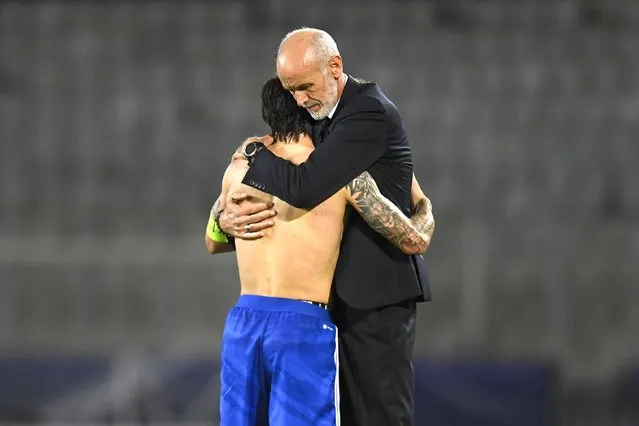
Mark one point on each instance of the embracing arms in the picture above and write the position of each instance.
(411, 235)
(357, 141)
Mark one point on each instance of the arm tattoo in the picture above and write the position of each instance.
(383, 216)
(423, 218)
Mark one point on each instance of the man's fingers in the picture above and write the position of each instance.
(250, 235)
(254, 218)
(262, 216)
(260, 226)
(253, 208)
(236, 197)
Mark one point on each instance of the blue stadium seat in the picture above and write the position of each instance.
(27, 384)
(483, 394)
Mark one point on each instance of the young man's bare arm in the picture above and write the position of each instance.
(214, 247)
(383, 216)
(257, 211)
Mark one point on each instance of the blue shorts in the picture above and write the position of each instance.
(279, 364)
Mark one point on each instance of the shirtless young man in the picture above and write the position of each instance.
(279, 348)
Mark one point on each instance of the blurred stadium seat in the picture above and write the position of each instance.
(117, 121)
(485, 394)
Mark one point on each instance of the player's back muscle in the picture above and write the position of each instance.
(297, 257)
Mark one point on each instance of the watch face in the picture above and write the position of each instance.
(249, 150)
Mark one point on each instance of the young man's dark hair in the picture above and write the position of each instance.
(286, 120)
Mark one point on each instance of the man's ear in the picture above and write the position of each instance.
(335, 66)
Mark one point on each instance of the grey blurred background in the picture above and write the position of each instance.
(117, 121)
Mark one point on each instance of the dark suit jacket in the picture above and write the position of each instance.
(365, 133)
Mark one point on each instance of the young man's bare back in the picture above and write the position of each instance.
(297, 257)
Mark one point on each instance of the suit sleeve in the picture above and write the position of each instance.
(358, 140)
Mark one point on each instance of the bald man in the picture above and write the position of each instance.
(376, 285)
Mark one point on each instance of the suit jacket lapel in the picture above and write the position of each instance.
(320, 129)
(350, 90)
(317, 134)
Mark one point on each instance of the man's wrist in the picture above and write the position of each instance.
(216, 219)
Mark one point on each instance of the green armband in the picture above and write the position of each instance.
(214, 232)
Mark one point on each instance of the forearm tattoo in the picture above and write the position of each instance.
(383, 216)
(423, 218)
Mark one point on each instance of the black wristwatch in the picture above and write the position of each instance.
(251, 149)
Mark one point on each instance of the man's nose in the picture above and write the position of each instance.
(301, 98)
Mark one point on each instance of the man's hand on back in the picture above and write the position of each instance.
(244, 218)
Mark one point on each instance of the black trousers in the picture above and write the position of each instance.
(375, 354)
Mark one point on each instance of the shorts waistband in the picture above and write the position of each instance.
(280, 304)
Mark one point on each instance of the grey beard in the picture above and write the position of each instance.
(322, 113)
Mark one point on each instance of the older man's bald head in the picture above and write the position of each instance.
(310, 67)
(305, 46)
